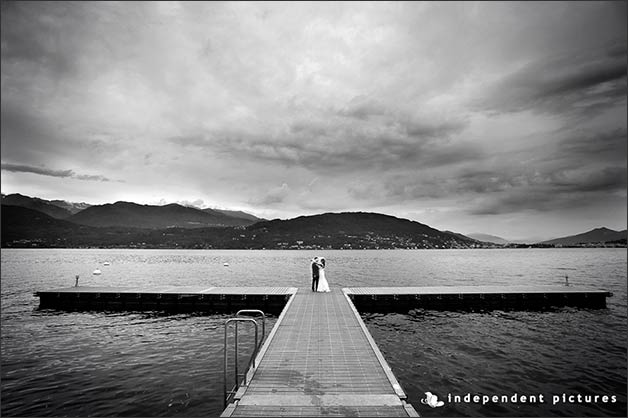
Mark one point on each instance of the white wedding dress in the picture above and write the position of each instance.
(323, 286)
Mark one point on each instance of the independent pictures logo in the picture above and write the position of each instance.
(432, 400)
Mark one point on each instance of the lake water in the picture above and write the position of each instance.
(153, 364)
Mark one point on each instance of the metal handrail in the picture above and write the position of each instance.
(255, 311)
(237, 383)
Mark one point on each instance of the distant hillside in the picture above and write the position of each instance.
(489, 238)
(237, 214)
(132, 215)
(24, 227)
(351, 230)
(37, 204)
(28, 225)
(598, 235)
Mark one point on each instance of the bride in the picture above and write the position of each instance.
(323, 286)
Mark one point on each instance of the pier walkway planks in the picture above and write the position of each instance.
(320, 360)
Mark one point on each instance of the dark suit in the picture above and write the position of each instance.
(314, 277)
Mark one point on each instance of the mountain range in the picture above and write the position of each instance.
(24, 227)
(598, 235)
(132, 215)
(55, 208)
(35, 222)
(28, 221)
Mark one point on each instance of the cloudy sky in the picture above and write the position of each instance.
(502, 118)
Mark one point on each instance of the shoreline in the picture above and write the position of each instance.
(496, 247)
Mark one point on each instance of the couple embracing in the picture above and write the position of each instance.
(319, 282)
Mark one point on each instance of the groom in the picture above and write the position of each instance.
(315, 268)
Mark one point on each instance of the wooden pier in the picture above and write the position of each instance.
(320, 360)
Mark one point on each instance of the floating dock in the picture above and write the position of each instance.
(366, 299)
(167, 298)
(320, 360)
(475, 298)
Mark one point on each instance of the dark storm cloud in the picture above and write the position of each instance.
(548, 189)
(605, 147)
(30, 137)
(52, 39)
(341, 148)
(362, 136)
(581, 170)
(584, 169)
(363, 109)
(460, 182)
(504, 191)
(274, 196)
(24, 134)
(190, 140)
(606, 180)
(563, 191)
(19, 168)
(563, 83)
(34, 39)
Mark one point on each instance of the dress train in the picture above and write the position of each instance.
(323, 286)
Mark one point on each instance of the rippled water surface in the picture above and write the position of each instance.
(154, 364)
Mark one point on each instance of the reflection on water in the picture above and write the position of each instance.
(154, 364)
